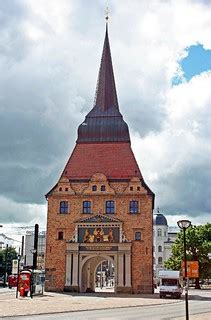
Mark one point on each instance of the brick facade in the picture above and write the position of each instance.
(122, 194)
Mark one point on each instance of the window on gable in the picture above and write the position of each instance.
(159, 248)
(60, 235)
(159, 233)
(102, 188)
(63, 207)
(137, 235)
(86, 206)
(110, 208)
(94, 188)
(133, 206)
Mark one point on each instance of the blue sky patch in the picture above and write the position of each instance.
(197, 61)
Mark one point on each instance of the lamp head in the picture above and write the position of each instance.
(184, 224)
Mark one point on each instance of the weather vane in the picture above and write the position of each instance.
(106, 13)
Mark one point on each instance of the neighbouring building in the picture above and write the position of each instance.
(101, 209)
(29, 246)
(164, 237)
(5, 241)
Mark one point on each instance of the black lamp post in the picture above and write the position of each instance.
(185, 224)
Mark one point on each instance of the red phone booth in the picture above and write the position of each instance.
(24, 283)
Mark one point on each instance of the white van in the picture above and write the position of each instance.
(170, 283)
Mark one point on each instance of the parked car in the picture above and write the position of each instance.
(12, 281)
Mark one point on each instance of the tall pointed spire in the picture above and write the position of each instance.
(104, 123)
(106, 96)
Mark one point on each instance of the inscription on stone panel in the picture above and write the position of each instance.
(98, 248)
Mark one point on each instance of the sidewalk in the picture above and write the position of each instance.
(61, 302)
(67, 302)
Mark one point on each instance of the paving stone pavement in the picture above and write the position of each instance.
(61, 302)
(67, 302)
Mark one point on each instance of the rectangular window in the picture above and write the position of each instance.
(137, 235)
(110, 206)
(60, 235)
(63, 207)
(86, 206)
(133, 206)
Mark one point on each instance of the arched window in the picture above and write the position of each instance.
(133, 206)
(60, 235)
(160, 260)
(94, 188)
(103, 188)
(60, 188)
(137, 235)
(86, 206)
(63, 207)
(159, 248)
(110, 208)
(159, 233)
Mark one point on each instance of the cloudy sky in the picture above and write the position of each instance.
(50, 53)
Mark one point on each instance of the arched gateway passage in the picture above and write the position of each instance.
(98, 238)
(93, 273)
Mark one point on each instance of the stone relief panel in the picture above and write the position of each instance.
(98, 234)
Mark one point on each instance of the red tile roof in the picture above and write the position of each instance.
(115, 160)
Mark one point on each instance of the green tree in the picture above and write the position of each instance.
(6, 257)
(198, 245)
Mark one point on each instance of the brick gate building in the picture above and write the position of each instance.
(101, 208)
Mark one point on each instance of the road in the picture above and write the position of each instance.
(160, 312)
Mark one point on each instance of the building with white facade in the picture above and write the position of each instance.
(164, 237)
(4, 241)
(29, 246)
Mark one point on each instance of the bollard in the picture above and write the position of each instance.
(22, 292)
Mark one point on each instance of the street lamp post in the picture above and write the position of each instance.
(185, 224)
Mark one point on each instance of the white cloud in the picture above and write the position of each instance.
(49, 58)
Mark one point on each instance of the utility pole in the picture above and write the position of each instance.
(36, 230)
(23, 256)
(22, 246)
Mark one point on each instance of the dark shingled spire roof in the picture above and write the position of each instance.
(106, 96)
(104, 123)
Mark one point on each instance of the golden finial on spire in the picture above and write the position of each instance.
(106, 14)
